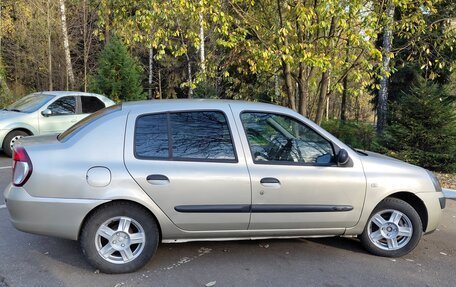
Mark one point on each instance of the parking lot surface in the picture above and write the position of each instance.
(32, 260)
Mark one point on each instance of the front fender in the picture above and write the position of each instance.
(24, 126)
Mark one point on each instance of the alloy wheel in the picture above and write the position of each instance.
(120, 240)
(390, 229)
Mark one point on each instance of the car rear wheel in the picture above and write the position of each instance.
(10, 140)
(119, 237)
(393, 229)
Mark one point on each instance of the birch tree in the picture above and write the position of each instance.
(66, 46)
(382, 105)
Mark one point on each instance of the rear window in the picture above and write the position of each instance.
(86, 121)
(192, 136)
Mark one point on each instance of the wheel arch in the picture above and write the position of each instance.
(84, 221)
(415, 202)
(29, 132)
(22, 129)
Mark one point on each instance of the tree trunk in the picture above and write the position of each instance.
(343, 105)
(84, 3)
(303, 88)
(276, 88)
(1, 20)
(190, 80)
(160, 84)
(303, 81)
(151, 62)
(303, 92)
(286, 66)
(325, 77)
(201, 37)
(66, 45)
(49, 45)
(382, 105)
(289, 85)
(322, 95)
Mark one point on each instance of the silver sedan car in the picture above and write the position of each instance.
(133, 175)
(45, 113)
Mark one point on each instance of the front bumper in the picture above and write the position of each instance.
(435, 203)
(449, 193)
(47, 216)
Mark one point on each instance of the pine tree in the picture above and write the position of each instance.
(423, 127)
(118, 75)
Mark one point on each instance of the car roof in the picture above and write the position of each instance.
(201, 103)
(65, 93)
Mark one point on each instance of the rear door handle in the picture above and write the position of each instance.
(270, 182)
(157, 179)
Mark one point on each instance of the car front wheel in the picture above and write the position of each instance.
(119, 238)
(393, 229)
(10, 140)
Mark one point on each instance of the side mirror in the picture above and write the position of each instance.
(342, 157)
(46, 113)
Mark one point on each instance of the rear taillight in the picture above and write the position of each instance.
(22, 166)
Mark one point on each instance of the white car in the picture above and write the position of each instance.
(46, 113)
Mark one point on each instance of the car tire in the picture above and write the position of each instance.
(119, 237)
(10, 138)
(393, 229)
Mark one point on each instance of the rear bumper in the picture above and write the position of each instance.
(47, 216)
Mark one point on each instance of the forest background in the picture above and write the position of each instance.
(377, 74)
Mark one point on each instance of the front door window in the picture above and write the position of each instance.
(63, 106)
(277, 138)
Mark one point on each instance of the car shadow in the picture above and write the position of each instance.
(346, 243)
(69, 252)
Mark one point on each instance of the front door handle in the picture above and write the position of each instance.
(157, 179)
(270, 182)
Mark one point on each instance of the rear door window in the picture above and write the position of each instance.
(151, 136)
(91, 104)
(193, 136)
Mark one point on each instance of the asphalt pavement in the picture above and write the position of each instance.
(32, 260)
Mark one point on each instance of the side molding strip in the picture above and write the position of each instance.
(217, 208)
(261, 208)
(275, 208)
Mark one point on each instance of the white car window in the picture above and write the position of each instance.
(63, 106)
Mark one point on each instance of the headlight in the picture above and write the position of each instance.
(435, 181)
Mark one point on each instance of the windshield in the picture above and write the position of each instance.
(30, 103)
(86, 121)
